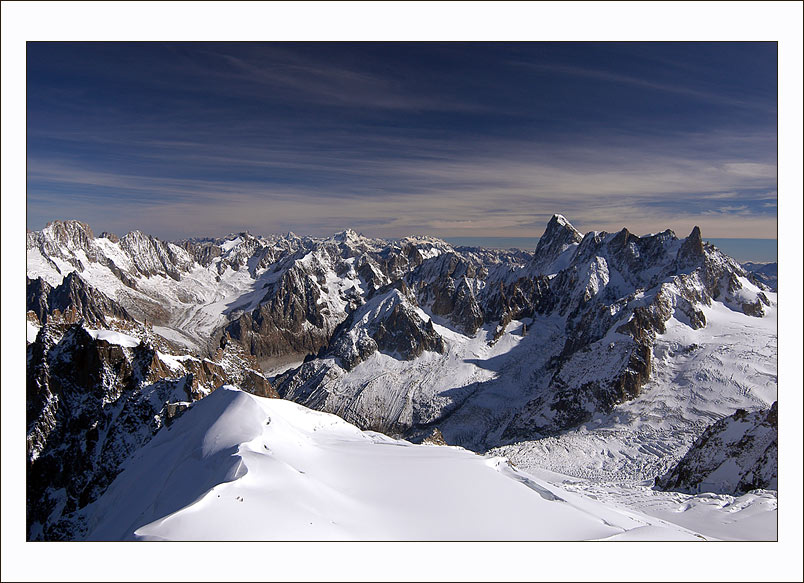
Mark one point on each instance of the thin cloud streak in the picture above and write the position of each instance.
(451, 198)
(616, 171)
(607, 76)
(188, 139)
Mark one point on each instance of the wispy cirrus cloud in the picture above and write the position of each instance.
(398, 139)
(437, 190)
(676, 88)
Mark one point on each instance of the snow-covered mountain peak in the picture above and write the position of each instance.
(353, 242)
(262, 469)
(559, 226)
(390, 323)
(560, 220)
(559, 237)
(72, 233)
(347, 236)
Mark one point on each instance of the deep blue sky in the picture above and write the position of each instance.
(450, 139)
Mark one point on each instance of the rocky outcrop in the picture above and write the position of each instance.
(733, 456)
(404, 333)
(90, 403)
(71, 301)
(558, 237)
(290, 318)
(435, 438)
(762, 274)
(388, 324)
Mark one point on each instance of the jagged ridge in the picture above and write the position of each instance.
(734, 455)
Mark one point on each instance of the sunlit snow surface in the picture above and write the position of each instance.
(31, 331)
(113, 337)
(240, 467)
(698, 377)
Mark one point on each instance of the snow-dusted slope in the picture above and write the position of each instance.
(733, 456)
(698, 377)
(94, 396)
(239, 467)
(766, 273)
(531, 349)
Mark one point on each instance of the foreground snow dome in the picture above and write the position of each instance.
(240, 467)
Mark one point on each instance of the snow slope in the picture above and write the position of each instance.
(750, 517)
(157, 281)
(698, 377)
(733, 456)
(240, 467)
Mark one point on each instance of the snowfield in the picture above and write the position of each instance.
(113, 337)
(240, 467)
(699, 376)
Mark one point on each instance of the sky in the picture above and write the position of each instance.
(392, 139)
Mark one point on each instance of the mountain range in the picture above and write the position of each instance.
(600, 356)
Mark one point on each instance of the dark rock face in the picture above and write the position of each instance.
(402, 333)
(458, 303)
(396, 330)
(522, 298)
(289, 319)
(37, 294)
(733, 456)
(467, 314)
(232, 365)
(74, 299)
(692, 250)
(204, 252)
(87, 410)
(90, 405)
(445, 285)
(557, 238)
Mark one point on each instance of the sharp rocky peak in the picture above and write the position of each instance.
(557, 238)
(69, 232)
(692, 248)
